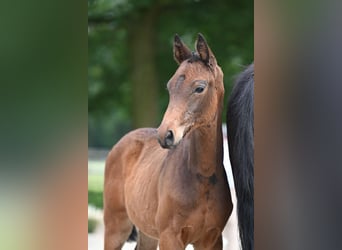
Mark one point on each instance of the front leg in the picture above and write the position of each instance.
(212, 241)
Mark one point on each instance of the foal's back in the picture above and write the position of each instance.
(128, 151)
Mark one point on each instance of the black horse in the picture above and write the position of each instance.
(240, 130)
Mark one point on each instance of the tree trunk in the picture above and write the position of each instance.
(142, 49)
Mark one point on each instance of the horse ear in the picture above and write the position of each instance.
(204, 51)
(180, 51)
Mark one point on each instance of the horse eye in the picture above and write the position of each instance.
(199, 89)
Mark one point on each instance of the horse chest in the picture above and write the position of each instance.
(192, 220)
(191, 200)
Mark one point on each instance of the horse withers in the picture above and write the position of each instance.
(170, 182)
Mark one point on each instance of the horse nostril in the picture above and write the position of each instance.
(169, 134)
(169, 138)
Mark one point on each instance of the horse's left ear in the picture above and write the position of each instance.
(180, 51)
(204, 51)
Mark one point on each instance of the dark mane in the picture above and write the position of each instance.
(240, 130)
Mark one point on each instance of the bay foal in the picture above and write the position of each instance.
(170, 182)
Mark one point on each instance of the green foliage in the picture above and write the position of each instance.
(227, 26)
(92, 223)
(95, 184)
(95, 198)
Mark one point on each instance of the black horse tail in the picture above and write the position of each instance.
(240, 131)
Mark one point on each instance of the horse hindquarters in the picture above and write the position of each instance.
(117, 230)
(117, 224)
(120, 164)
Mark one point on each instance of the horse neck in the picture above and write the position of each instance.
(205, 145)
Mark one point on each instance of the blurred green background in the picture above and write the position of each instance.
(130, 60)
(130, 56)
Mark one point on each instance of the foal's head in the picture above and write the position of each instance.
(196, 92)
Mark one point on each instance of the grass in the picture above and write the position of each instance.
(95, 199)
(95, 183)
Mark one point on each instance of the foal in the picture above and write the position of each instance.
(170, 182)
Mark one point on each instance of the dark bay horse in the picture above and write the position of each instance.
(240, 131)
(170, 182)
